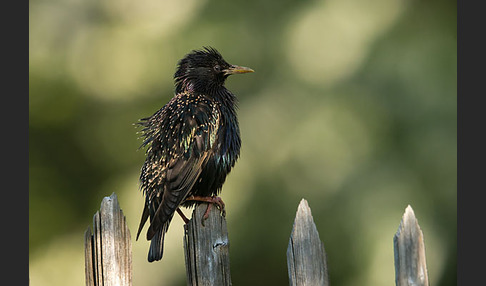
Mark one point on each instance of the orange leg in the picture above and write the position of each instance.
(211, 200)
(184, 218)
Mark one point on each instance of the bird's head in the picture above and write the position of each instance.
(204, 70)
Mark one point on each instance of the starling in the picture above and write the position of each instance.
(193, 142)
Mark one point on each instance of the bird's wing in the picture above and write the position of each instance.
(181, 151)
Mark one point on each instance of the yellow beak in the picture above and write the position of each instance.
(237, 69)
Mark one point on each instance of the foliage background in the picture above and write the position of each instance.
(352, 107)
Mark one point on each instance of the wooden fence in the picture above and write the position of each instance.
(108, 249)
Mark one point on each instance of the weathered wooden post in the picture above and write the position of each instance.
(206, 249)
(306, 257)
(108, 250)
(409, 248)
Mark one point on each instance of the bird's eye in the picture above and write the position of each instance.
(217, 68)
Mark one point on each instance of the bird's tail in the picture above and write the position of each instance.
(157, 245)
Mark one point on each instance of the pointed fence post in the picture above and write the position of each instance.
(206, 249)
(306, 257)
(409, 248)
(108, 250)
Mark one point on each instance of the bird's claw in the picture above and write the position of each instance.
(210, 200)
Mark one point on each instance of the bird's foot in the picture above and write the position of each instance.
(211, 200)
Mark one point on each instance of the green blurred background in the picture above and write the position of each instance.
(352, 107)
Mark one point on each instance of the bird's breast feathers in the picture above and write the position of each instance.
(188, 126)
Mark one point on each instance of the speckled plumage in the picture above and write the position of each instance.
(193, 142)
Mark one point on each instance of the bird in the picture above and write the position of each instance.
(192, 143)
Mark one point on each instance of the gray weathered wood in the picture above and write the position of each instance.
(206, 249)
(108, 251)
(409, 248)
(306, 257)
